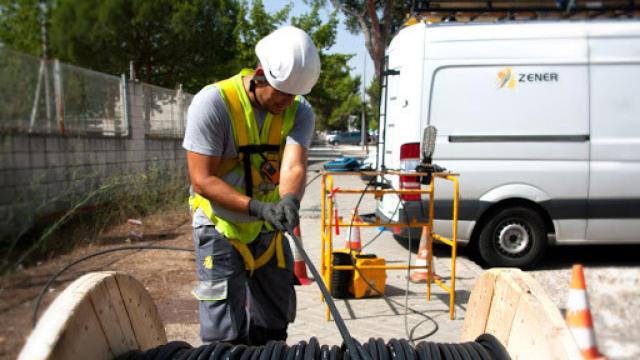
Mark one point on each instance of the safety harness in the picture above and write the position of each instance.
(259, 159)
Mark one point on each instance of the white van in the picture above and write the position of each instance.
(540, 119)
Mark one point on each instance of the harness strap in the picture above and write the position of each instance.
(251, 263)
(246, 151)
(252, 149)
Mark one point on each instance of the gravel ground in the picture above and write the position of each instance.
(614, 297)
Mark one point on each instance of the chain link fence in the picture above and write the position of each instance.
(51, 97)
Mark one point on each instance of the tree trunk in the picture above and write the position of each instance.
(376, 33)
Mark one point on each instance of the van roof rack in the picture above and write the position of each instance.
(478, 10)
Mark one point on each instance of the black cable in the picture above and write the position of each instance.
(342, 328)
(406, 299)
(314, 178)
(381, 231)
(302, 351)
(141, 247)
(409, 333)
(54, 277)
(486, 346)
(428, 318)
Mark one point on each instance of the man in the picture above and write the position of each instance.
(246, 140)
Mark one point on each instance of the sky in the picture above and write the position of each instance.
(346, 42)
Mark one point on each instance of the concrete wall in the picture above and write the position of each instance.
(40, 173)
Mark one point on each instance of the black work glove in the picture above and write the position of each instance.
(283, 215)
(287, 211)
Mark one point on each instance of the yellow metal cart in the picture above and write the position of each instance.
(327, 224)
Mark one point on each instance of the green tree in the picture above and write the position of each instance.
(193, 42)
(335, 96)
(190, 41)
(21, 24)
(252, 24)
(373, 107)
(376, 19)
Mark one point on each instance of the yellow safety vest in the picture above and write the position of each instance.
(245, 132)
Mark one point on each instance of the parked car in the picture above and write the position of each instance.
(352, 137)
(331, 135)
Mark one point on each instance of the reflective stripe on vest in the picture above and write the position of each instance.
(232, 224)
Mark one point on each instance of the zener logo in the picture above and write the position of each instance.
(507, 78)
(538, 77)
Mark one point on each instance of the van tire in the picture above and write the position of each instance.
(513, 236)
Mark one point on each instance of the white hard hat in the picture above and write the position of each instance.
(290, 60)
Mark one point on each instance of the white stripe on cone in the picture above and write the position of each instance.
(353, 235)
(421, 262)
(577, 300)
(299, 266)
(585, 338)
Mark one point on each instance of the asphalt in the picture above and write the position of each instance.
(404, 312)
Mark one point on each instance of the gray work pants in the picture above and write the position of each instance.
(235, 306)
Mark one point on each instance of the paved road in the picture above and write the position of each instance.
(613, 279)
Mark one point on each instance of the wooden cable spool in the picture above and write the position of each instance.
(99, 316)
(513, 307)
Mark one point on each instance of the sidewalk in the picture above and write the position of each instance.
(378, 317)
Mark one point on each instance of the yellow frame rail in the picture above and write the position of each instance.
(326, 221)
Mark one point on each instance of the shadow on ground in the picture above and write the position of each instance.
(439, 249)
(135, 237)
(560, 257)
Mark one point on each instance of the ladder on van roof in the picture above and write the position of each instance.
(477, 10)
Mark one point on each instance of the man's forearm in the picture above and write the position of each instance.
(292, 180)
(213, 188)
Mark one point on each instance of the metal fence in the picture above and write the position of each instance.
(165, 110)
(26, 93)
(89, 101)
(51, 97)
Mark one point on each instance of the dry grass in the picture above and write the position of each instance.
(113, 202)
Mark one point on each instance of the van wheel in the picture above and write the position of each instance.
(514, 236)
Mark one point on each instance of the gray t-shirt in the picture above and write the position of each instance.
(209, 130)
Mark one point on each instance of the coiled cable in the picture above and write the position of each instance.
(485, 347)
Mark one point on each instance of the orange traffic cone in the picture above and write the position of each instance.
(353, 237)
(578, 316)
(299, 267)
(420, 275)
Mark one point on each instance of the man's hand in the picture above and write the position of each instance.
(287, 211)
(283, 215)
